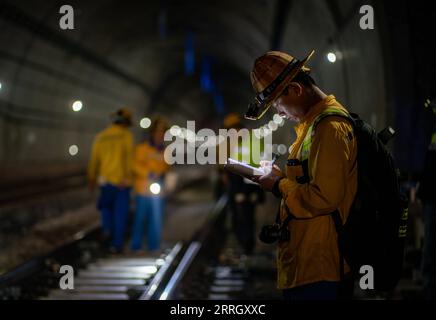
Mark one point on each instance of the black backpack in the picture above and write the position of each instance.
(375, 229)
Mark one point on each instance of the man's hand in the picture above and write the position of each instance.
(267, 181)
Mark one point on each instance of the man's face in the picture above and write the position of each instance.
(288, 103)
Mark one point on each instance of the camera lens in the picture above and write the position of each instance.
(269, 234)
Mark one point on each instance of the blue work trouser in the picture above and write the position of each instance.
(114, 207)
(149, 214)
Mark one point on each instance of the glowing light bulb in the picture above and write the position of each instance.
(331, 57)
(155, 188)
(282, 149)
(145, 123)
(77, 106)
(73, 150)
(273, 125)
(175, 130)
(277, 119)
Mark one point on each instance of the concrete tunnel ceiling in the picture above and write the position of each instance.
(133, 53)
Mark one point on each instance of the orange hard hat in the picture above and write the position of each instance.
(232, 120)
(271, 74)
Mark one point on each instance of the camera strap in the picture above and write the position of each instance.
(278, 213)
(287, 219)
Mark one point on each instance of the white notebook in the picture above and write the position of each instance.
(243, 169)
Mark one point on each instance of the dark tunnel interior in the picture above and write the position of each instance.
(190, 61)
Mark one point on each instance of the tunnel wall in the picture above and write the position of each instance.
(43, 70)
(357, 78)
(43, 73)
(107, 65)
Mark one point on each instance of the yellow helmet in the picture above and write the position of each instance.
(271, 73)
(122, 116)
(232, 120)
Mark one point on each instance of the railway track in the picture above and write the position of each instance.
(119, 278)
(100, 275)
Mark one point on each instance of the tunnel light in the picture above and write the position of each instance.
(331, 57)
(0, 85)
(145, 123)
(277, 119)
(175, 130)
(73, 150)
(282, 149)
(77, 106)
(273, 125)
(155, 188)
(266, 131)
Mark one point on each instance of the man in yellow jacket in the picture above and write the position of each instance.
(321, 175)
(149, 169)
(244, 195)
(110, 167)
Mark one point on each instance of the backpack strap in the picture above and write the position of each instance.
(335, 214)
(307, 142)
(333, 112)
(304, 157)
(306, 145)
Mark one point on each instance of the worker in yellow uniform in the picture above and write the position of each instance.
(110, 167)
(320, 178)
(149, 169)
(244, 195)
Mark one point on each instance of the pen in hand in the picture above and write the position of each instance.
(269, 166)
(266, 168)
(274, 159)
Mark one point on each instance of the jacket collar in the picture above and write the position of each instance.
(313, 113)
(317, 109)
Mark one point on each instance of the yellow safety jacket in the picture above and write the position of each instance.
(111, 156)
(148, 167)
(330, 149)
